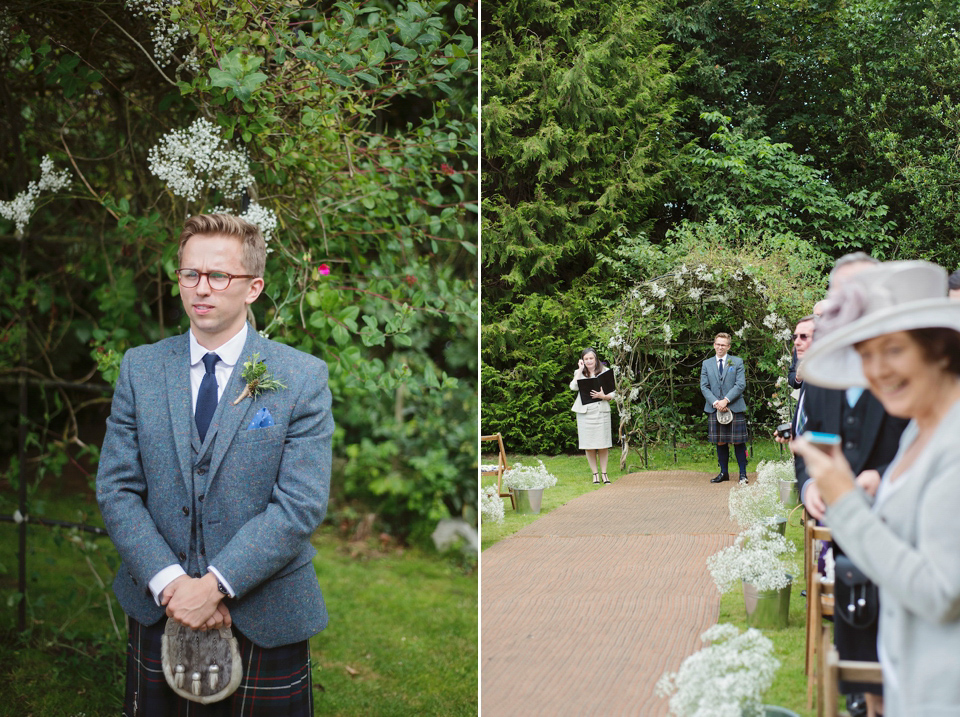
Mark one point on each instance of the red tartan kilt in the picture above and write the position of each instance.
(276, 681)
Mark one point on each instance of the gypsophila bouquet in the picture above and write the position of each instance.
(759, 556)
(522, 477)
(759, 502)
(725, 679)
(491, 504)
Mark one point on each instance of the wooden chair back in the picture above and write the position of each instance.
(835, 669)
(502, 467)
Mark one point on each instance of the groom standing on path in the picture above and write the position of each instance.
(211, 501)
(722, 382)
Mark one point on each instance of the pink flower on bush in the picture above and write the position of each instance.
(324, 269)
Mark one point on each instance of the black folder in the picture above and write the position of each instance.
(604, 382)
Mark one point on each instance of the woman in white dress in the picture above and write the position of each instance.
(593, 420)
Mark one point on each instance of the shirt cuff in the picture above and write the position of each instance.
(166, 576)
(223, 580)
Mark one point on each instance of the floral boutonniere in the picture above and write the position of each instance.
(257, 379)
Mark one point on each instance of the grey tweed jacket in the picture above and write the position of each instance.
(246, 500)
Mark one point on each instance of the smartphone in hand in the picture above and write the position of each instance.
(824, 441)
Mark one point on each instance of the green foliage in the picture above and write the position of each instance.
(359, 122)
(578, 130)
(755, 184)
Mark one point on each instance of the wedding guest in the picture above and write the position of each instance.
(593, 419)
(892, 329)
(954, 285)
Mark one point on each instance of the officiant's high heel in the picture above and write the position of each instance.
(596, 479)
(606, 481)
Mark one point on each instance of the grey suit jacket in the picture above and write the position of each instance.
(731, 386)
(246, 501)
(910, 546)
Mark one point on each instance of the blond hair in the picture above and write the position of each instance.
(723, 336)
(254, 248)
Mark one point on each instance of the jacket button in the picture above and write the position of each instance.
(196, 574)
(182, 556)
(186, 510)
(201, 471)
(200, 497)
(203, 551)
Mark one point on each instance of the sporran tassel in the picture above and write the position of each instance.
(213, 675)
(195, 687)
(178, 677)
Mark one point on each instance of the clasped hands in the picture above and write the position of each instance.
(721, 404)
(196, 603)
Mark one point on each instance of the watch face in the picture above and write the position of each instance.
(222, 589)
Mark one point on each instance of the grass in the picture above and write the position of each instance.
(402, 639)
(574, 479)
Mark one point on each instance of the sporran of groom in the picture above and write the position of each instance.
(211, 502)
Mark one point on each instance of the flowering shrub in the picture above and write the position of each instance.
(21, 208)
(725, 679)
(759, 502)
(521, 477)
(757, 556)
(491, 504)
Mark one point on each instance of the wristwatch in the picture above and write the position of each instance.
(222, 589)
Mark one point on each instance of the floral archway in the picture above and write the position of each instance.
(663, 329)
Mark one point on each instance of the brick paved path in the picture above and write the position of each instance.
(583, 610)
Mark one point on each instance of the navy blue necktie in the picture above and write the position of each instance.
(720, 368)
(207, 397)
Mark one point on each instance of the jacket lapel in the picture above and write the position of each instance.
(177, 375)
(228, 418)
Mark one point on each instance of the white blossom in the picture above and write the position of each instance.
(657, 290)
(728, 678)
(491, 504)
(742, 330)
(20, 209)
(523, 477)
(265, 219)
(756, 557)
(634, 393)
(647, 309)
(771, 321)
(165, 33)
(667, 333)
(695, 293)
(702, 273)
(197, 158)
(759, 502)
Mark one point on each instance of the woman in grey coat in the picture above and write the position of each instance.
(894, 331)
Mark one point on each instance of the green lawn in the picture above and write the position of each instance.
(574, 478)
(402, 639)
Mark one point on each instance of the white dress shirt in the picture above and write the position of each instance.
(229, 354)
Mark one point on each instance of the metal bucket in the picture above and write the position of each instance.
(767, 608)
(527, 501)
(788, 494)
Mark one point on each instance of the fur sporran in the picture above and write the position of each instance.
(201, 666)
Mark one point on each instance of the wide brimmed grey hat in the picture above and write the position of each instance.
(893, 296)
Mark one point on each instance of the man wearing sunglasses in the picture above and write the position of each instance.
(211, 496)
(802, 338)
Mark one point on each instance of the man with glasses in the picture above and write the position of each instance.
(722, 382)
(211, 495)
(802, 338)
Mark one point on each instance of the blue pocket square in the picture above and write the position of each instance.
(263, 419)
